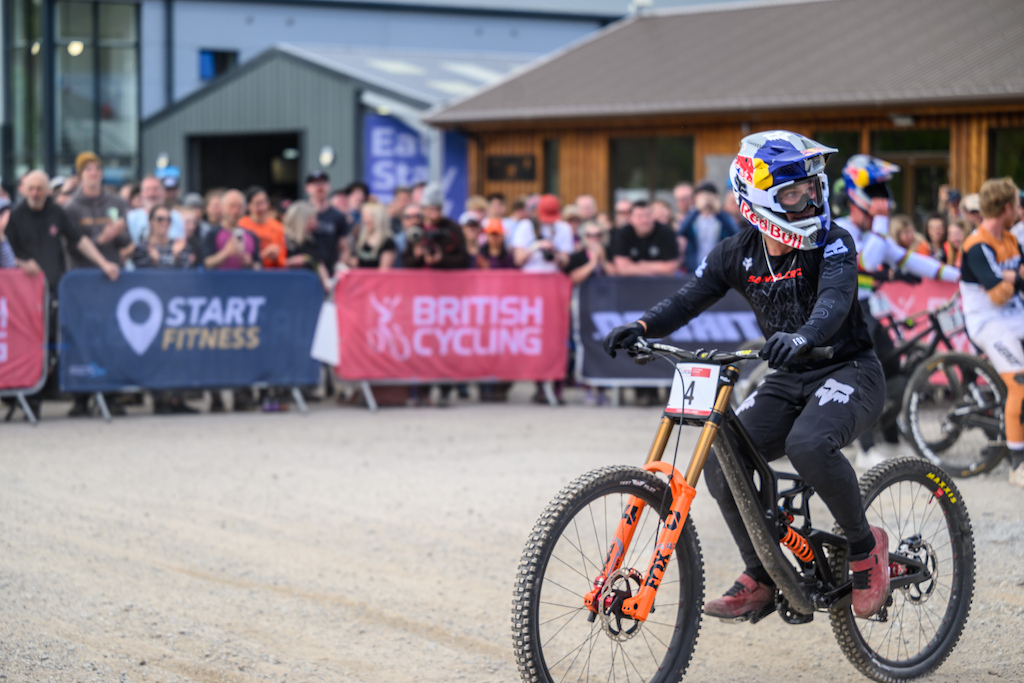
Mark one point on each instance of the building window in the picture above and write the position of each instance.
(649, 167)
(551, 166)
(1006, 154)
(923, 157)
(213, 63)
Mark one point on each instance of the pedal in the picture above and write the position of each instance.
(758, 615)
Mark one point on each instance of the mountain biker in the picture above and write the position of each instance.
(993, 307)
(798, 272)
(869, 199)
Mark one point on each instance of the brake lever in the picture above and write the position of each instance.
(641, 352)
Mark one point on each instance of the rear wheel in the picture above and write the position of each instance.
(931, 548)
(556, 638)
(952, 410)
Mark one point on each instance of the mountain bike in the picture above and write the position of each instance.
(952, 410)
(610, 585)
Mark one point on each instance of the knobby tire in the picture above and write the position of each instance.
(923, 621)
(552, 637)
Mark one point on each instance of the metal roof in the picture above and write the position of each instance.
(786, 55)
(431, 77)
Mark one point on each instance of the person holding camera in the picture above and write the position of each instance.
(438, 242)
(543, 244)
(231, 247)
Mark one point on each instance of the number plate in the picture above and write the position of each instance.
(879, 305)
(951, 320)
(694, 389)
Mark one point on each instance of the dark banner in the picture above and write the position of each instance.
(604, 303)
(187, 329)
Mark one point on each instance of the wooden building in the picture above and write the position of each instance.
(936, 86)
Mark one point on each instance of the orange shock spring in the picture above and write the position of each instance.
(798, 544)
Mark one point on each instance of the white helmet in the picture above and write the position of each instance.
(778, 172)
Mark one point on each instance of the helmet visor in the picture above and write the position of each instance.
(797, 195)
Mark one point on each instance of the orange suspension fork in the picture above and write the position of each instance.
(683, 491)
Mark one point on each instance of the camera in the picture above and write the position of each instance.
(549, 254)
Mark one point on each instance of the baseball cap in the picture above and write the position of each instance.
(433, 195)
(56, 182)
(192, 200)
(170, 183)
(494, 226)
(706, 186)
(86, 158)
(317, 177)
(548, 209)
(470, 218)
(971, 202)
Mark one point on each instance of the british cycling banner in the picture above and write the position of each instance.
(22, 329)
(422, 325)
(604, 303)
(187, 329)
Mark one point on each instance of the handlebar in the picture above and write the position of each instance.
(645, 351)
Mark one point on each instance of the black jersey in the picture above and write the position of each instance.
(810, 292)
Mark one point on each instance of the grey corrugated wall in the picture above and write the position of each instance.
(279, 95)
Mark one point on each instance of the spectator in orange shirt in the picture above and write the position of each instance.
(267, 229)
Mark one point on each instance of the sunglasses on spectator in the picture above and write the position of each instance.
(592, 235)
(161, 219)
(410, 216)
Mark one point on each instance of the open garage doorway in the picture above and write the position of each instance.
(271, 161)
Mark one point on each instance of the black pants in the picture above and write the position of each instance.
(809, 416)
(895, 383)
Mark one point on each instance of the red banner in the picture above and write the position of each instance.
(427, 325)
(22, 329)
(906, 299)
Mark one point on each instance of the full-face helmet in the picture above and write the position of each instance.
(866, 178)
(777, 173)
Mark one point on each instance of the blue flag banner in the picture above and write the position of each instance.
(187, 329)
(394, 155)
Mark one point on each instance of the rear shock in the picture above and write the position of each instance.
(798, 544)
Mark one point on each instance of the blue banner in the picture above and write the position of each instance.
(187, 329)
(456, 174)
(394, 155)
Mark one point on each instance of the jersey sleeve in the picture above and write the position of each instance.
(981, 260)
(708, 285)
(837, 289)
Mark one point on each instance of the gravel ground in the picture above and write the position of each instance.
(350, 546)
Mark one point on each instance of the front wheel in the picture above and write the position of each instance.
(556, 638)
(931, 548)
(952, 409)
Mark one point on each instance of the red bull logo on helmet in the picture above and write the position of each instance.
(754, 171)
(771, 229)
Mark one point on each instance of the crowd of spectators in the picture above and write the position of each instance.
(57, 224)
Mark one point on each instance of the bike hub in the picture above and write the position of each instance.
(621, 585)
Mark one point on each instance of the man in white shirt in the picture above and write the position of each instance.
(544, 245)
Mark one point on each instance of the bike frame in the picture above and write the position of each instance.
(758, 507)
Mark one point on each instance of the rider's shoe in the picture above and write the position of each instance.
(746, 597)
(1017, 475)
(871, 577)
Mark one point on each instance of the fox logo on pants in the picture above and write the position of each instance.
(832, 390)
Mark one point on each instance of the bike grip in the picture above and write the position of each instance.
(821, 353)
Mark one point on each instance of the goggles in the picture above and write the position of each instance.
(793, 196)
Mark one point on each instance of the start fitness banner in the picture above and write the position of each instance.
(187, 329)
(453, 325)
(22, 329)
(607, 302)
